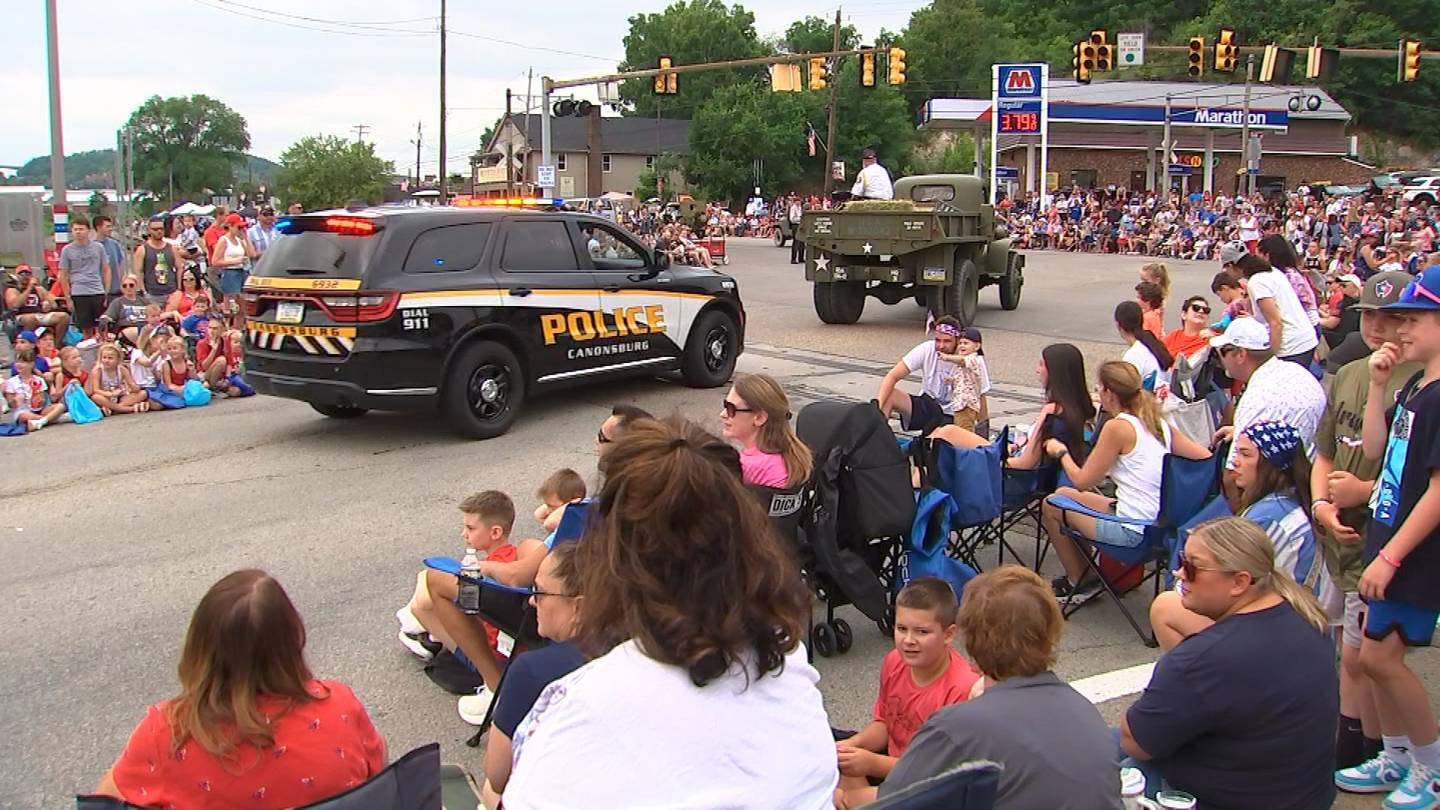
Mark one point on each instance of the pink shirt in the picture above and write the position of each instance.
(763, 469)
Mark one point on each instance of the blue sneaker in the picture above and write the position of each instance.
(1380, 775)
(1420, 791)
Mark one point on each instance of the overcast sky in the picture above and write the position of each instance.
(352, 62)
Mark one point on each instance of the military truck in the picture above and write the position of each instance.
(936, 243)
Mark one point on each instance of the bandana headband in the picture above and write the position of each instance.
(947, 329)
(1276, 441)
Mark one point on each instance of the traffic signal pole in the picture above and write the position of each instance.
(1245, 126)
(834, 103)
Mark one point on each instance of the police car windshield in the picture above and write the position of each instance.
(317, 255)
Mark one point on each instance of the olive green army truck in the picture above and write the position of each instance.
(937, 243)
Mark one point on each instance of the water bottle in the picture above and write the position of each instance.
(468, 597)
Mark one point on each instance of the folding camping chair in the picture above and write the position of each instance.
(1186, 485)
(1024, 491)
(975, 480)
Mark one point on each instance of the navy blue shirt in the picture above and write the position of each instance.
(527, 676)
(1242, 714)
(1411, 452)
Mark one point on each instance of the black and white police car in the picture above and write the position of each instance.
(474, 309)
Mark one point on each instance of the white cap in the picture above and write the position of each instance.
(1244, 333)
(1350, 278)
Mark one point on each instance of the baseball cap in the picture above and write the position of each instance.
(1383, 289)
(28, 336)
(234, 219)
(39, 331)
(1422, 293)
(971, 334)
(1349, 278)
(867, 152)
(1243, 333)
(1230, 252)
(23, 268)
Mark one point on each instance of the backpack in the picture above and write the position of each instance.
(924, 555)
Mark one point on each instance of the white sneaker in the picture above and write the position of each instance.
(473, 708)
(424, 647)
(408, 623)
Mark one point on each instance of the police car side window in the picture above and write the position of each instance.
(609, 250)
(453, 248)
(536, 245)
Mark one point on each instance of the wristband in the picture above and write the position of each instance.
(1390, 561)
(1319, 501)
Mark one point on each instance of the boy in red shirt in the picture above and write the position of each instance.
(923, 674)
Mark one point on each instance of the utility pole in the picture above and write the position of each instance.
(1245, 126)
(121, 206)
(57, 140)
(546, 88)
(509, 151)
(444, 175)
(359, 130)
(418, 138)
(1162, 177)
(834, 103)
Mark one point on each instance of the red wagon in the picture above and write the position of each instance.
(716, 246)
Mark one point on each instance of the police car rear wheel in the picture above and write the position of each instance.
(486, 387)
(711, 351)
(339, 411)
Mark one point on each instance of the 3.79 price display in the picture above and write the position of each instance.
(1020, 122)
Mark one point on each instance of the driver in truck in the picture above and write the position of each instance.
(932, 407)
(873, 181)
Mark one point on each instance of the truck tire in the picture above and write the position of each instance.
(484, 390)
(839, 301)
(778, 237)
(961, 299)
(711, 350)
(1010, 285)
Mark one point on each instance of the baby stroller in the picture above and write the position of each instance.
(861, 508)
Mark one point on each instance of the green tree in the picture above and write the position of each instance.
(877, 117)
(817, 34)
(942, 62)
(187, 144)
(97, 203)
(739, 124)
(689, 32)
(323, 171)
(647, 184)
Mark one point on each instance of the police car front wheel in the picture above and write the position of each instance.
(484, 390)
(711, 351)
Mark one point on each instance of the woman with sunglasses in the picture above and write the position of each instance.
(126, 314)
(183, 299)
(1273, 476)
(1194, 333)
(231, 256)
(756, 415)
(1243, 713)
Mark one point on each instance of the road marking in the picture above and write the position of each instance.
(1114, 684)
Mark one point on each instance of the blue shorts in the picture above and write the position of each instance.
(232, 281)
(1415, 625)
(926, 414)
(1113, 533)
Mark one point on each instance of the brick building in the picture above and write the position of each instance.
(1110, 134)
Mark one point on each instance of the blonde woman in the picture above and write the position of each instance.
(1131, 450)
(756, 415)
(1242, 713)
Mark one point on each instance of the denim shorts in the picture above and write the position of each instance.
(232, 281)
(1114, 533)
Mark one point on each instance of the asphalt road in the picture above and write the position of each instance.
(114, 531)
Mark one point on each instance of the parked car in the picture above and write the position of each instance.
(1422, 190)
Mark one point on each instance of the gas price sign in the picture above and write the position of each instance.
(1020, 122)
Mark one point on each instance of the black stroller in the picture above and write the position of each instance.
(861, 509)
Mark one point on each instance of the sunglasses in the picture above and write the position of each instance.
(127, 286)
(731, 409)
(1200, 308)
(538, 594)
(1191, 570)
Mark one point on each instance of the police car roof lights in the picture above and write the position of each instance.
(342, 225)
(513, 202)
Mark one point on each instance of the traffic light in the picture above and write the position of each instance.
(1227, 51)
(867, 67)
(1196, 55)
(896, 64)
(1320, 63)
(666, 83)
(786, 78)
(1277, 65)
(819, 73)
(1083, 61)
(1104, 51)
(1409, 60)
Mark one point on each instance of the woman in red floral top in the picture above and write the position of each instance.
(251, 727)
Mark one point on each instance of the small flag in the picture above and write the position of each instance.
(810, 141)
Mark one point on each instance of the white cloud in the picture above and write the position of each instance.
(289, 81)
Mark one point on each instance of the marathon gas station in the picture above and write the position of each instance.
(1111, 134)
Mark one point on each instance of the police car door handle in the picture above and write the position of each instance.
(519, 292)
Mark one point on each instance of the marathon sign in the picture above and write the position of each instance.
(1208, 117)
(1019, 82)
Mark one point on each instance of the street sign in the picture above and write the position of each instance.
(1132, 49)
(1180, 170)
(545, 176)
(1007, 173)
(837, 170)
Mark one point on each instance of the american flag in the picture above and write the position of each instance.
(810, 141)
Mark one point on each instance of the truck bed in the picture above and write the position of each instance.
(889, 232)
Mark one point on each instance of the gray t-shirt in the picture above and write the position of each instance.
(1057, 751)
(83, 262)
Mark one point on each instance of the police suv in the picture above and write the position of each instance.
(473, 309)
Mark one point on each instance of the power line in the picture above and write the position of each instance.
(353, 23)
(515, 44)
(377, 33)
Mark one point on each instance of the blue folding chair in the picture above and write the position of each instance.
(1186, 485)
(1023, 493)
(975, 480)
(573, 521)
(967, 786)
